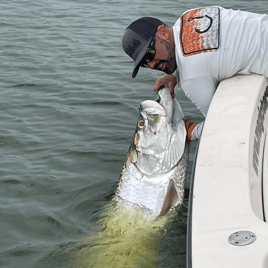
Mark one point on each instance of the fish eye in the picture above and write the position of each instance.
(141, 124)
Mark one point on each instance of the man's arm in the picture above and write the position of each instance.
(193, 130)
(200, 91)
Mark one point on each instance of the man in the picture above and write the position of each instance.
(205, 46)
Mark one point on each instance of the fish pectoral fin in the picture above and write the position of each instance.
(170, 199)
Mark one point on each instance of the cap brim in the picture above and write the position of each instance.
(139, 58)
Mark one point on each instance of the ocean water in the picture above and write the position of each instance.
(68, 111)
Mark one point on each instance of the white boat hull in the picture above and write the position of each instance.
(230, 185)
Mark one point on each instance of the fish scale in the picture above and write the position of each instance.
(153, 176)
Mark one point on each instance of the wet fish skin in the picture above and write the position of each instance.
(153, 176)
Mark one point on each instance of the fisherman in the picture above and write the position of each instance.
(205, 46)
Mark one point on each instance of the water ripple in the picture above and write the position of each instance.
(68, 111)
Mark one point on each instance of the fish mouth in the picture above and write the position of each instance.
(151, 107)
(166, 101)
(157, 106)
(158, 98)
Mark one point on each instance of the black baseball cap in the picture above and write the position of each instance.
(138, 37)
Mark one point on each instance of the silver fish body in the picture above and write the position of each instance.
(154, 173)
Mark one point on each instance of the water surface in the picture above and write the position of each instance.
(68, 111)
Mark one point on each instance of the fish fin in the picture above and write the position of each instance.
(170, 199)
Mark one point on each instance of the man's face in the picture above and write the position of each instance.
(164, 59)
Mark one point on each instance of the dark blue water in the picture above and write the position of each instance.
(68, 111)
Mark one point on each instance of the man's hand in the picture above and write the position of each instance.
(167, 80)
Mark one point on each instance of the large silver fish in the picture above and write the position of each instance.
(153, 175)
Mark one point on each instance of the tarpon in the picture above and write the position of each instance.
(153, 175)
(151, 184)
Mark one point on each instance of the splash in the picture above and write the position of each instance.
(124, 237)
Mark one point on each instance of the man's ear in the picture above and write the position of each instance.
(163, 32)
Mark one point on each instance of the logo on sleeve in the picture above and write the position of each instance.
(200, 31)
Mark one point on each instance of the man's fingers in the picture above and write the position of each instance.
(158, 84)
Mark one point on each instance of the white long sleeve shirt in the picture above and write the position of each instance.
(213, 44)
